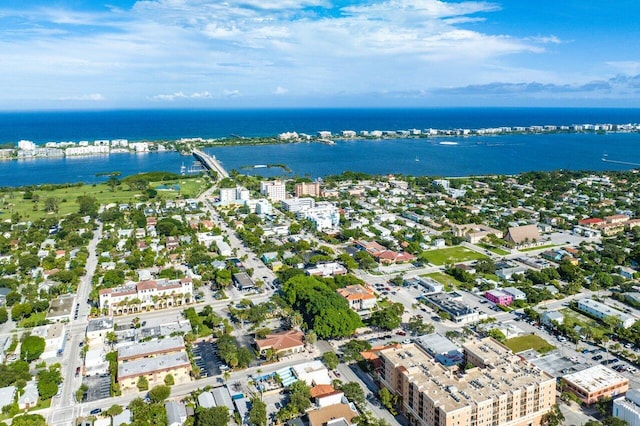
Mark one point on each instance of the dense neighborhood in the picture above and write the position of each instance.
(353, 299)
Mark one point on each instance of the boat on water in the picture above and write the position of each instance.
(448, 143)
(260, 166)
(417, 159)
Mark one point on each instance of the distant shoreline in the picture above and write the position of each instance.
(185, 145)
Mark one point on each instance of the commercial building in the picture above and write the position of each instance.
(627, 408)
(295, 205)
(137, 297)
(501, 388)
(602, 311)
(441, 348)
(459, 312)
(274, 190)
(284, 342)
(234, 195)
(243, 281)
(155, 370)
(60, 308)
(324, 216)
(326, 270)
(307, 188)
(332, 415)
(359, 298)
(428, 284)
(498, 297)
(151, 348)
(515, 293)
(595, 383)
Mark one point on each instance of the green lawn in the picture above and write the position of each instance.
(531, 341)
(446, 280)
(12, 202)
(575, 318)
(538, 248)
(495, 250)
(451, 255)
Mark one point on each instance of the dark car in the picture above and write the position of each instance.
(597, 357)
(95, 411)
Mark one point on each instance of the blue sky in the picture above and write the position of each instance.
(90, 54)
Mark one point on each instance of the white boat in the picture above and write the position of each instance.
(448, 143)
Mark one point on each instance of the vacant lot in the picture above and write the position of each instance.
(447, 281)
(451, 255)
(531, 341)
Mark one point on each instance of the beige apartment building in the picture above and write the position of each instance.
(500, 389)
(307, 188)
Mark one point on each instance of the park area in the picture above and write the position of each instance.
(451, 255)
(530, 341)
(43, 201)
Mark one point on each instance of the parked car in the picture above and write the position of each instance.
(95, 411)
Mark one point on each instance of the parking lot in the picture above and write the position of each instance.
(99, 387)
(206, 357)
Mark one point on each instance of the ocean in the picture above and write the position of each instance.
(505, 154)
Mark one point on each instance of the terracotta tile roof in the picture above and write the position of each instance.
(146, 285)
(590, 221)
(356, 292)
(321, 390)
(281, 341)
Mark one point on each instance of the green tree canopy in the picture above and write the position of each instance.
(32, 347)
(258, 412)
(324, 311)
(215, 416)
(159, 393)
(331, 360)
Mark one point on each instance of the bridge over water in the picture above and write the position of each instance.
(210, 163)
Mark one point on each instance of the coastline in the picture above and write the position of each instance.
(185, 146)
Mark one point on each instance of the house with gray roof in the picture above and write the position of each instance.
(176, 413)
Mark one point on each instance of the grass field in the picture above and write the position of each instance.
(29, 210)
(538, 248)
(447, 281)
(576, 318)
(451, 255)
(493, 249)
(531, 341)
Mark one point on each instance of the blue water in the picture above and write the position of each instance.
(42, 127)
(473, 155)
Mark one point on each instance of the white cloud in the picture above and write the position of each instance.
(181, 95)
(550, 39)
(95, 97)
(626, 67)
(145, 52)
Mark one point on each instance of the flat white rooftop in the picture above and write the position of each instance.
(595, 378)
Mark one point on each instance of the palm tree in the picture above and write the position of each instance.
(296, 320)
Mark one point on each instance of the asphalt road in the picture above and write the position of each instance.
(63, 409)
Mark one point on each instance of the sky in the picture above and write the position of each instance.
(111, 54)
